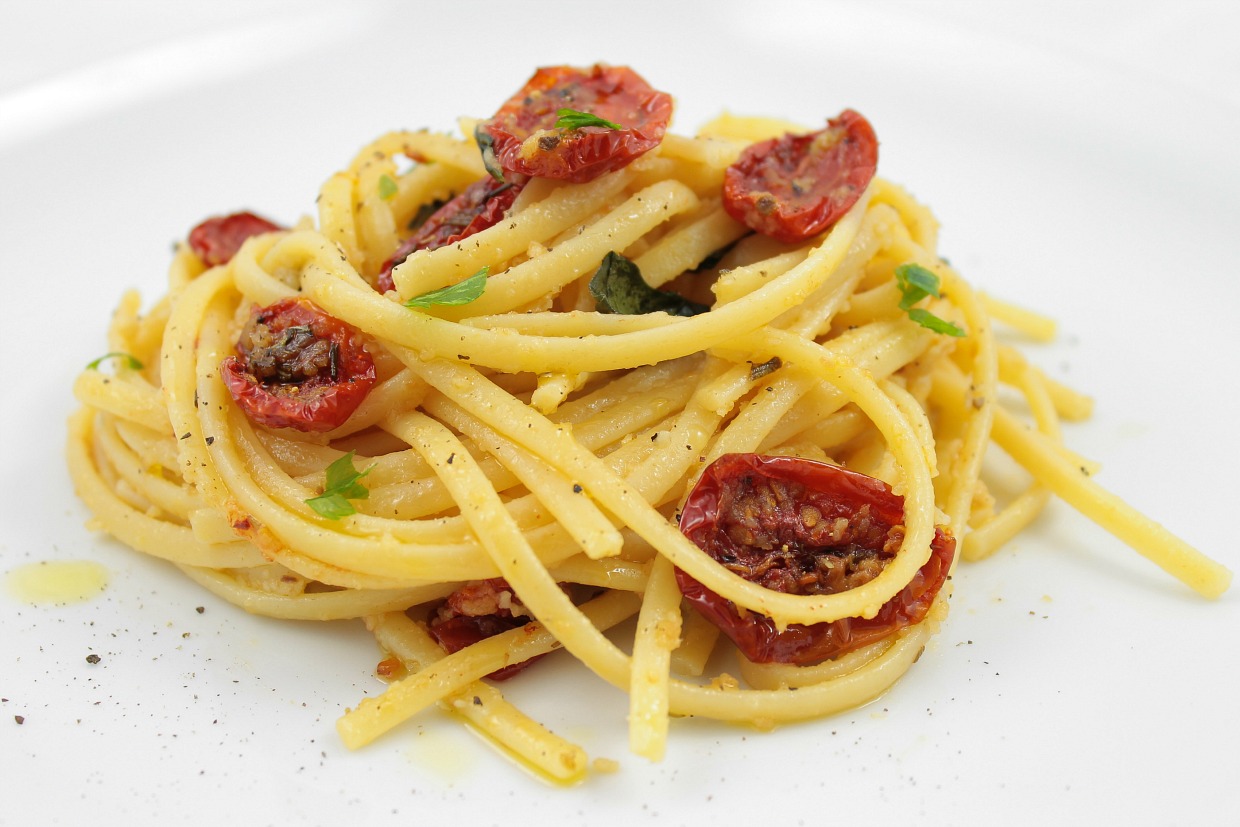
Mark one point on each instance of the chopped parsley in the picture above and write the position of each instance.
(387, 187)
(127, 359)
(342, 485)
(454, 295)
(573, 119)
(916, 283)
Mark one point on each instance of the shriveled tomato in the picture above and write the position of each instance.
(297, 367)
(218, 239)
(482, 204)
(477, 611)
(797, 186)
(525, 139)
(803, 527)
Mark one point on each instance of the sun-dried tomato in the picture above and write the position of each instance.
(796, 186)
(297, 367)
(803, 527)
(218, 239)
(525, 139)
(482, 204)
(474, 612)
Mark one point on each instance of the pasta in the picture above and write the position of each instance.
(499, 435)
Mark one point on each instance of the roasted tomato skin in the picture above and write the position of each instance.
(793, 187)
(613, 93)
(470, 614)
(297, 367)
(480, 205)
(833, 493)
(218, 239)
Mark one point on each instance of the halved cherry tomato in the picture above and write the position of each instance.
(797, 186)
(297, 367)
(477, 611)
(525, 138)
(218, 239)
(482, 204)
(803, 527)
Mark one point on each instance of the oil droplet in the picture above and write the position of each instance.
(57, 581)
(444, 754)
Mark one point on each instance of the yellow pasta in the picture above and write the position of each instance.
(524, 455)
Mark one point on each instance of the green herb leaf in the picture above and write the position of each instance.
(716, 256)
(916, 283)
(387, 187)
(127, 359)
(573, 119)
(342, 484)
(454, 295)
(487, 145)
(424, 213)
(930, 321)
(618, 287)
(332, 506)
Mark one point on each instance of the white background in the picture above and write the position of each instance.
(1081, 157)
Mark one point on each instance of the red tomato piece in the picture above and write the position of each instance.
(803, 527)
(797, 186)
(477, 611)
(525, 139)
(482, 204)
(218, 239)
(297, 367)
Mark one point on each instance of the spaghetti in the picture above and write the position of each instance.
(471, 403)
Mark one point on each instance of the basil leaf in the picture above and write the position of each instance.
(487, 145)
(618, 287)
(715, 257)
(424, 213)
(341, 485)
(573, 119)
(127, 360)
(454, 295)
(916, 283)
(387, 187)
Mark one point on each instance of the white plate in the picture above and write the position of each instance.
(1073, 681)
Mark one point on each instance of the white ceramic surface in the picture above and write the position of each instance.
(1082, 163)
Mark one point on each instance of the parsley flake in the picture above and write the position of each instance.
(387, 187)
(454, 295)
(342, 485)
(573, 119)
(916, 283)
(127, 359)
